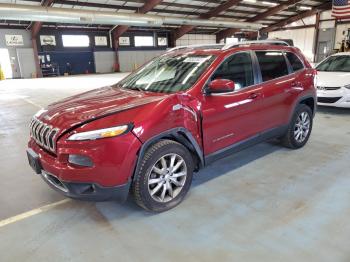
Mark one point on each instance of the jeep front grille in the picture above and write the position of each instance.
(43, 134)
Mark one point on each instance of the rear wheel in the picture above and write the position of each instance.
(299, 129)
(164, 177)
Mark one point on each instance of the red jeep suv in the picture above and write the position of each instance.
(147, 134)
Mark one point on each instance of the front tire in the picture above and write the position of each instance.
(164, 176)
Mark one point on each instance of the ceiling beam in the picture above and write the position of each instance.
(163, 11)
(148, 6)
(219, 9)
(272, 11)
(319, 8)
(212, 13)
(181, 5)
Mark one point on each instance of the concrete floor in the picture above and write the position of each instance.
(266, 203)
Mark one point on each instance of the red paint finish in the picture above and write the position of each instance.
(215, 121)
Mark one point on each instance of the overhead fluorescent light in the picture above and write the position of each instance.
(269, 3)
(303, 7)
(250, 1)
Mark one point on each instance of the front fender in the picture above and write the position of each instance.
(180, 134)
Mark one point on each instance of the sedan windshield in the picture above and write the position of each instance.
(339, 63)
(168, 74)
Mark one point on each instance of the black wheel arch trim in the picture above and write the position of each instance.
(302, 98)
(182, 135)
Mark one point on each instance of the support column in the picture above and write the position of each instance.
(317, 33)
(36, 58)
(171, 39)
(116, 47)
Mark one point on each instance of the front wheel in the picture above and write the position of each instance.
(299, 129)
(164, 177)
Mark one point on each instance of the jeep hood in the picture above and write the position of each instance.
(94, 104)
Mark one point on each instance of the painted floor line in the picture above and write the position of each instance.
(32, 103)
(31, 213)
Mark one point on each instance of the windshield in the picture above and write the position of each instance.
(335, 64)
(168, 74)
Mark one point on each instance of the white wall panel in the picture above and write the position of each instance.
(326, 15)
(327, 24)
(303, 39)
(130, 60)
(196, 39)
(311, 20)
(104, 61)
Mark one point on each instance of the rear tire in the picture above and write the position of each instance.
(299, 128)
(164, 176)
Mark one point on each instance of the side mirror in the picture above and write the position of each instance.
(221, 86)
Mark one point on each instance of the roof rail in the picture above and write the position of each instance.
(203, 46)
(257, 42)
(228, 46)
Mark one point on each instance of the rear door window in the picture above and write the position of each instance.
(272, 64)
(294, 61)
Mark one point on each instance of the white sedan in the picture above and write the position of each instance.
(333, 81)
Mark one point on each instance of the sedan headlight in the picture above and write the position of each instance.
(100, 133)
(347, 86)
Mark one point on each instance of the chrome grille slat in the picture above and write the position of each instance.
(45, 138)
(43, 134)
(40, 132)
(31, 124)
(36, 129)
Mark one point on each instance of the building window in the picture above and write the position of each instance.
(144, 41)
(75, 40)
(231, 40)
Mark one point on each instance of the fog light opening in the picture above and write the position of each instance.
(80, 160)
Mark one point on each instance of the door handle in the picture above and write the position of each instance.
(254, 95)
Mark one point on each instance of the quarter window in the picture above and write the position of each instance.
(272, 64)
(294, 62)
(237, 68)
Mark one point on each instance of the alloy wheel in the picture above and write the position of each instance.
(302, 127)
(167, 177)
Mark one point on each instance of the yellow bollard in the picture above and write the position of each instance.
(2, 75)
